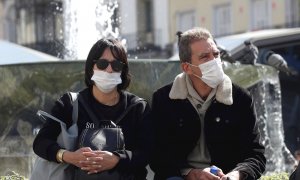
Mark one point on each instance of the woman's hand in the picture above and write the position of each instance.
(76, 157)
(97, 161)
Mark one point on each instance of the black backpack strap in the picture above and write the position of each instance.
(128, 109)
(89, 111)
(94, 117)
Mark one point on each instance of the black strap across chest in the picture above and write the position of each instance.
(94, 117)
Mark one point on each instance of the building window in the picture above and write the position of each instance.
(185, 20)
(222, 20)
(260, 14)
(292, 13)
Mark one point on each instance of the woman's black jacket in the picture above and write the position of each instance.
(136, 127)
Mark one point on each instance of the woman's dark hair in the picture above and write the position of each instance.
(117, 50)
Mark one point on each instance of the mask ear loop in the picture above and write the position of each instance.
(193, 70)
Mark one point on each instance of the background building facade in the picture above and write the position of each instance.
(148, 26)
(224, 17)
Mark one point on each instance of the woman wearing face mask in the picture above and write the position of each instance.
(107, 77)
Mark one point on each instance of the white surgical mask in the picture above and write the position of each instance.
(105, 81)
(212, 72)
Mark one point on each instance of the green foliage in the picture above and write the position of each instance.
(13, 176)
(276, 176)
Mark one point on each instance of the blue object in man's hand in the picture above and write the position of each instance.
(214, 170)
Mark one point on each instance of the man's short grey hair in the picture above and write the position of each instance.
(186, 38)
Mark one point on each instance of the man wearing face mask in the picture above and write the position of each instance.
(205, 126)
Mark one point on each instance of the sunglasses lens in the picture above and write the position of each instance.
(102, 64)
(116, 65)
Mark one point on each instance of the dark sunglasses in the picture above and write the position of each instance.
(115, 64)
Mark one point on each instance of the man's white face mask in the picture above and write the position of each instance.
(105, 81)
(212, 72)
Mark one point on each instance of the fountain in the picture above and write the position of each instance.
(263, 84)
(29, 87)
(85, 23)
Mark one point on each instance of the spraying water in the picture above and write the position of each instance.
(263, 84)
(85, 23)
(267, 96)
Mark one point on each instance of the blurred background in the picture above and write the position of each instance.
(43, 45)
(147, 26)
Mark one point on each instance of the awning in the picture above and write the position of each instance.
(11, 53)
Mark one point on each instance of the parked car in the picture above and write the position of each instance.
(279, 48)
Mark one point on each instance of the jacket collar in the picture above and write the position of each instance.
(223, 94)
